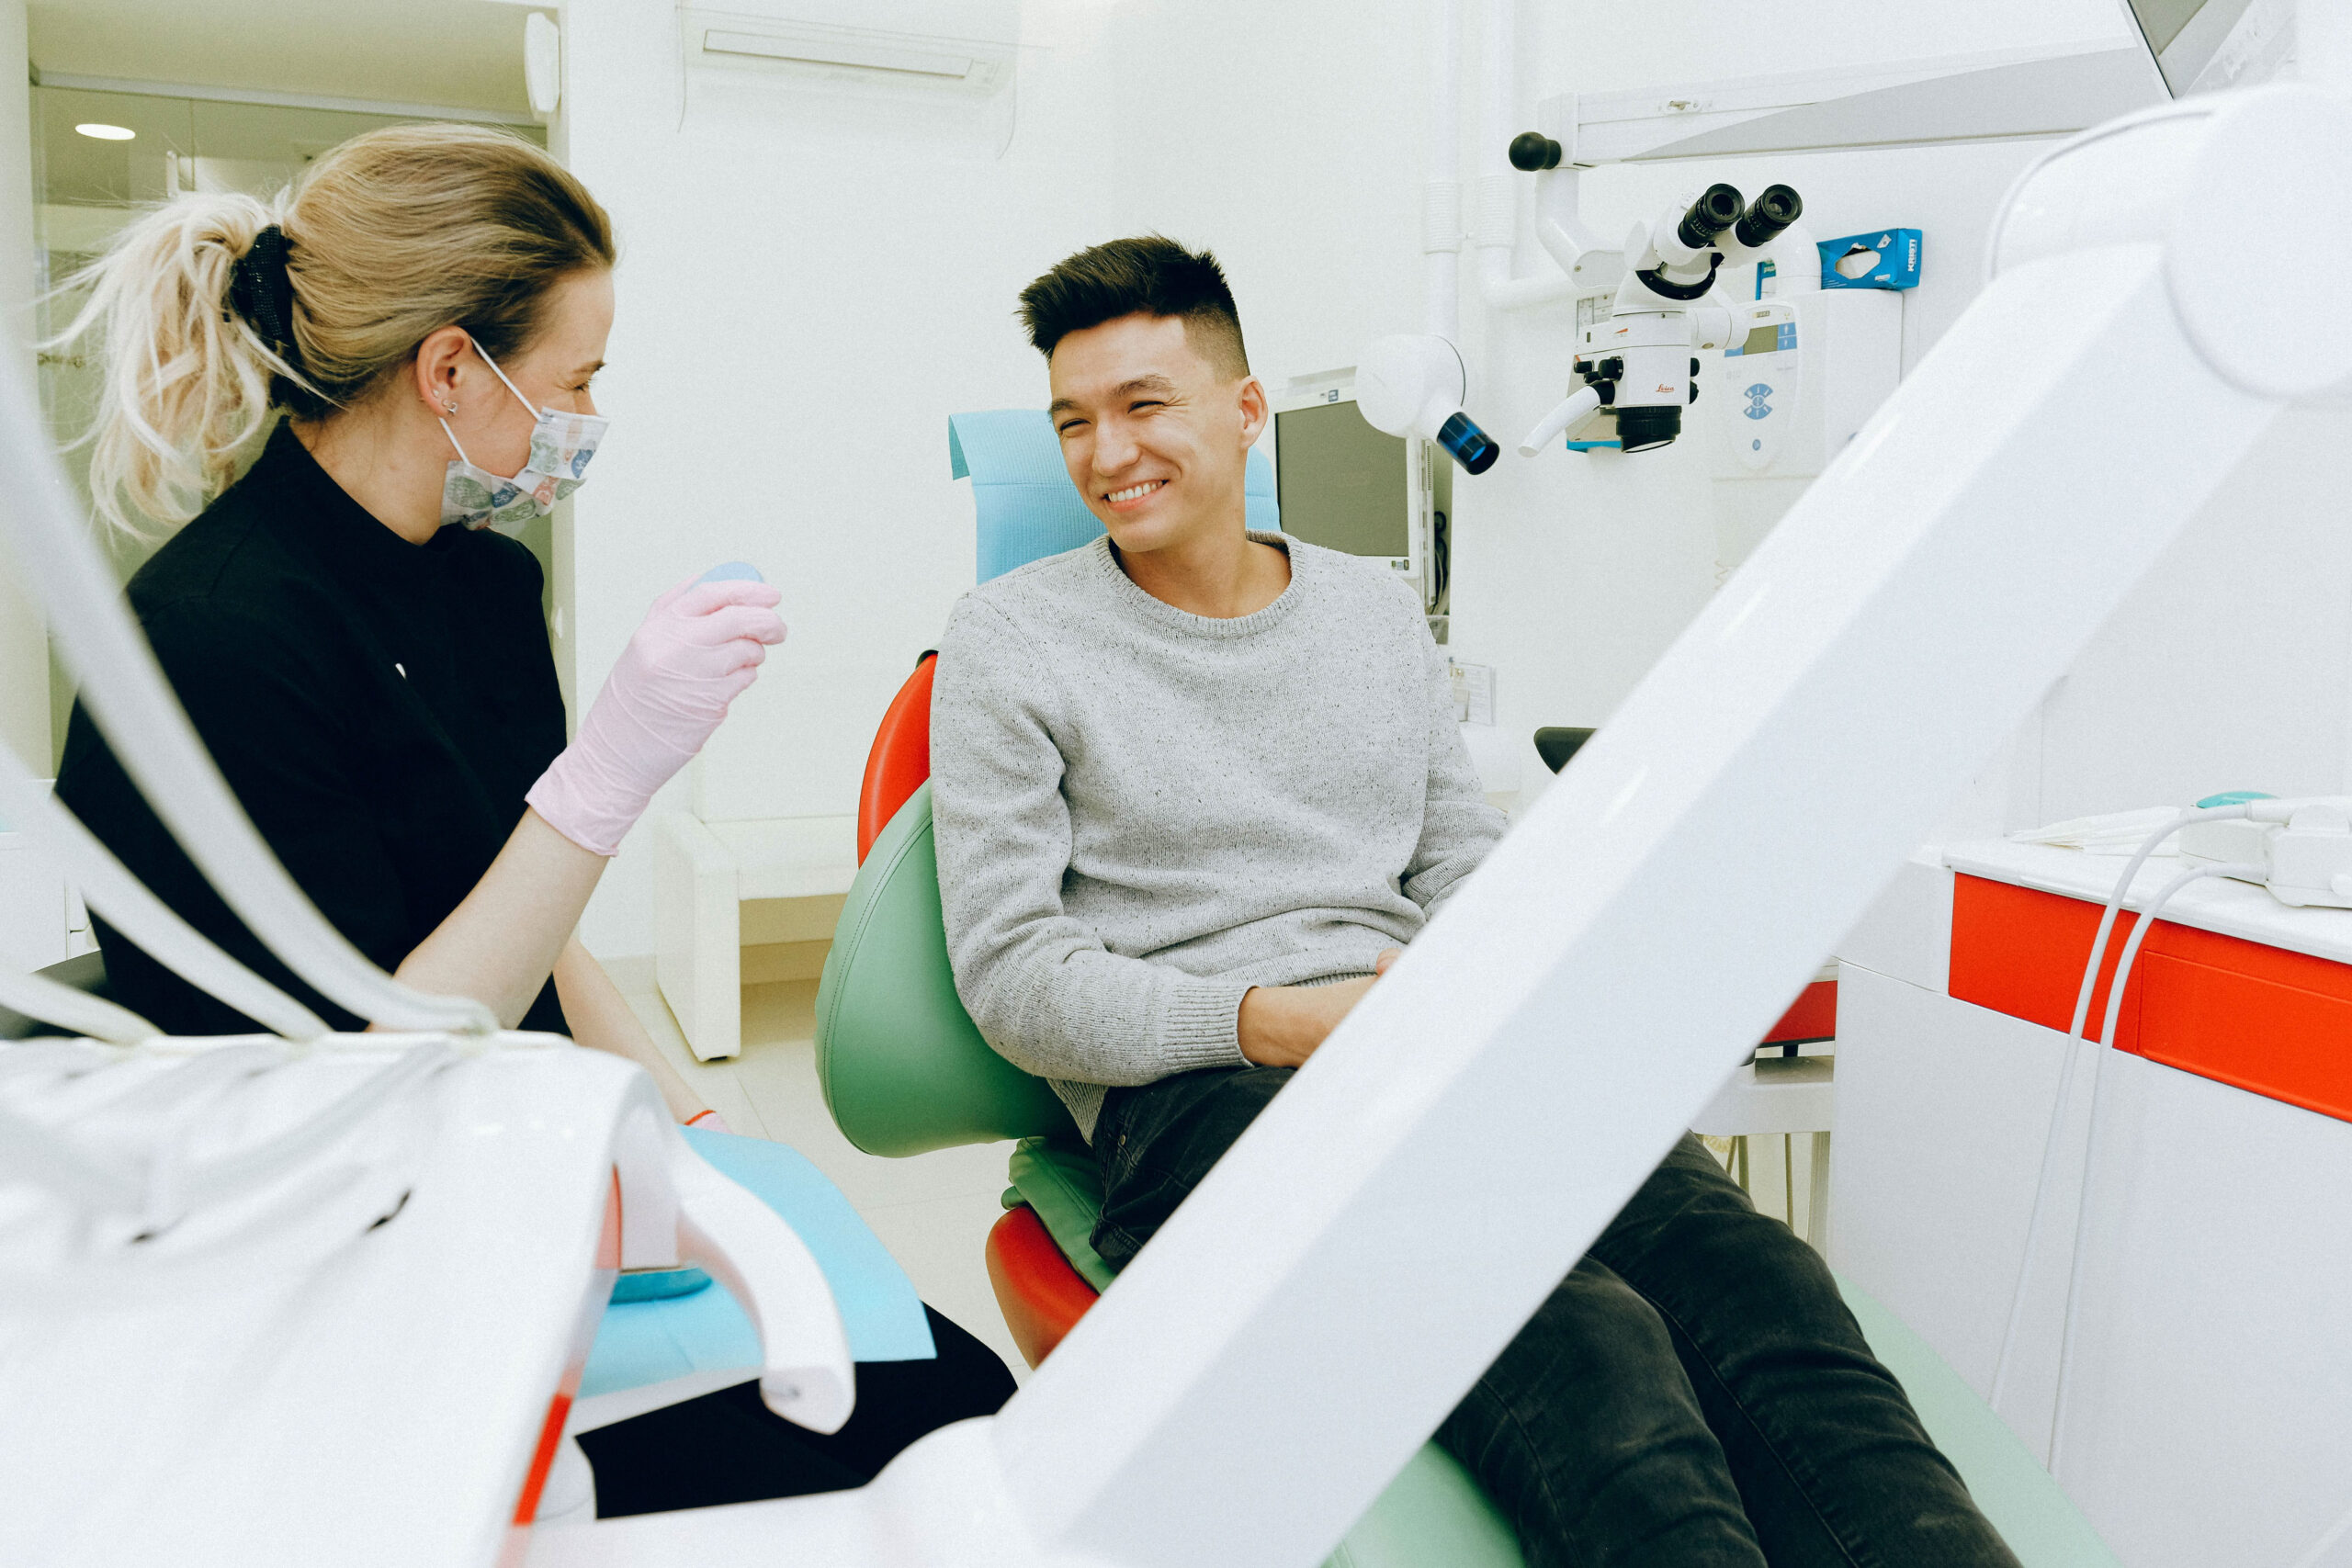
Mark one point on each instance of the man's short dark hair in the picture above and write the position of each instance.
(1151, 275)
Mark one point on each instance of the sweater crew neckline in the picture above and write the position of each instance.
(1124, 588)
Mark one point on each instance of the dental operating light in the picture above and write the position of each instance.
(1414, 387)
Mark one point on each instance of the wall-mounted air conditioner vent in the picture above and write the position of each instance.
(859, 58)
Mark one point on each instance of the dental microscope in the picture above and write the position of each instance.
(1639, 362)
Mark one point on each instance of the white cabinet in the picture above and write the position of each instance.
(43, 920)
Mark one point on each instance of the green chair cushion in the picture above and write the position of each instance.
(2034, 1515)
(902, 1068)
(1432, 1516)
(1058, 1178)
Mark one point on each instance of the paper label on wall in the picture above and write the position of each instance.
(1474, 692)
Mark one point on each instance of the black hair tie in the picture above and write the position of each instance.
(261, 292)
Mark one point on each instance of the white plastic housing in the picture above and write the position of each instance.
(1410, 385)
(1785, 411)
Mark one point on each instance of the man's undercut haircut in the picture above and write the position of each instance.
(1150, 275)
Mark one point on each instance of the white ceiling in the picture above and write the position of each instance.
(457, 53)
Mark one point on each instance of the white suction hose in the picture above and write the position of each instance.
(93, 1016)
(143, 722)
(139, 915)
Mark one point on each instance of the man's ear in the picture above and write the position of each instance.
(1254, 411)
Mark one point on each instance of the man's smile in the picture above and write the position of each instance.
(1133, 492)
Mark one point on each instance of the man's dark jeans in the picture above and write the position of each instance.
(1693, 1393)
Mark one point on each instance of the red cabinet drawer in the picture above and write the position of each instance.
(2269, 1021)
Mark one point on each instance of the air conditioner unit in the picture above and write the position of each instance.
(848, 57)
(939, 71)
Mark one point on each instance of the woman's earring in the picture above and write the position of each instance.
(451, 407)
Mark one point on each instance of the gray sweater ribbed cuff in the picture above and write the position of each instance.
(1201, 1025)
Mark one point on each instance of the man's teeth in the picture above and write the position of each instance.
(1137, 492)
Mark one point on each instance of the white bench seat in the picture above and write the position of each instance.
(791, 873)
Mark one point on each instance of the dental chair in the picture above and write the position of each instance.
(905, 1071)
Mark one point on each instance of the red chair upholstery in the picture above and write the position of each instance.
(901, 759)
(1041, 1295)
(1813, 1016)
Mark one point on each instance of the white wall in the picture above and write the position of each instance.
(800, 313)
(798, 321)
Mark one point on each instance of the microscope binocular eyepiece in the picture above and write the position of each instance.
(1774, 210)
(1715, 210)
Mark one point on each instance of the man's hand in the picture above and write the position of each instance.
(1281, 1026)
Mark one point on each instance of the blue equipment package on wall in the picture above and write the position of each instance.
(1883, 258)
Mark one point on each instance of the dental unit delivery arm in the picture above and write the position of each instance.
(37, 995)
(141, 916)
(1262, 1369)
(806, 1375)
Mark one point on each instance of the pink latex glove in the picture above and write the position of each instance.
(699, 647)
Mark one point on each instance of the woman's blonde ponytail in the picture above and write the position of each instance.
(383, 241)
(186, 383)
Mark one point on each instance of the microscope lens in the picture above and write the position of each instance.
(1713, 212)
(1774, 210)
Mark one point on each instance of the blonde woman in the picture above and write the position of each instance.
(362, 650)
(360, 647)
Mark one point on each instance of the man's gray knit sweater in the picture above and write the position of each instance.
(1142, 812)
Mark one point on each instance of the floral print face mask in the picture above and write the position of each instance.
(561, 445)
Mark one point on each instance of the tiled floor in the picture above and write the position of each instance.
(933, 1212)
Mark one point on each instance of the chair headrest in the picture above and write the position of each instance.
(1027, 507)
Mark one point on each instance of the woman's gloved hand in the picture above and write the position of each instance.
(699, 647)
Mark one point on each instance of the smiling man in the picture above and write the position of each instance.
(1192, 785)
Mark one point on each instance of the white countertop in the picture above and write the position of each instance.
(2216, 904)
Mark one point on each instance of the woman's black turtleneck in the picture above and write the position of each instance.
(378, 707)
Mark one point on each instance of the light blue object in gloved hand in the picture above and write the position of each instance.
(732, 571)
(642, 1342)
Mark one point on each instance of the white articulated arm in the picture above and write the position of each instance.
(676, 1208)
(1584, 263)
(806, 1375)
(1386, 1226)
